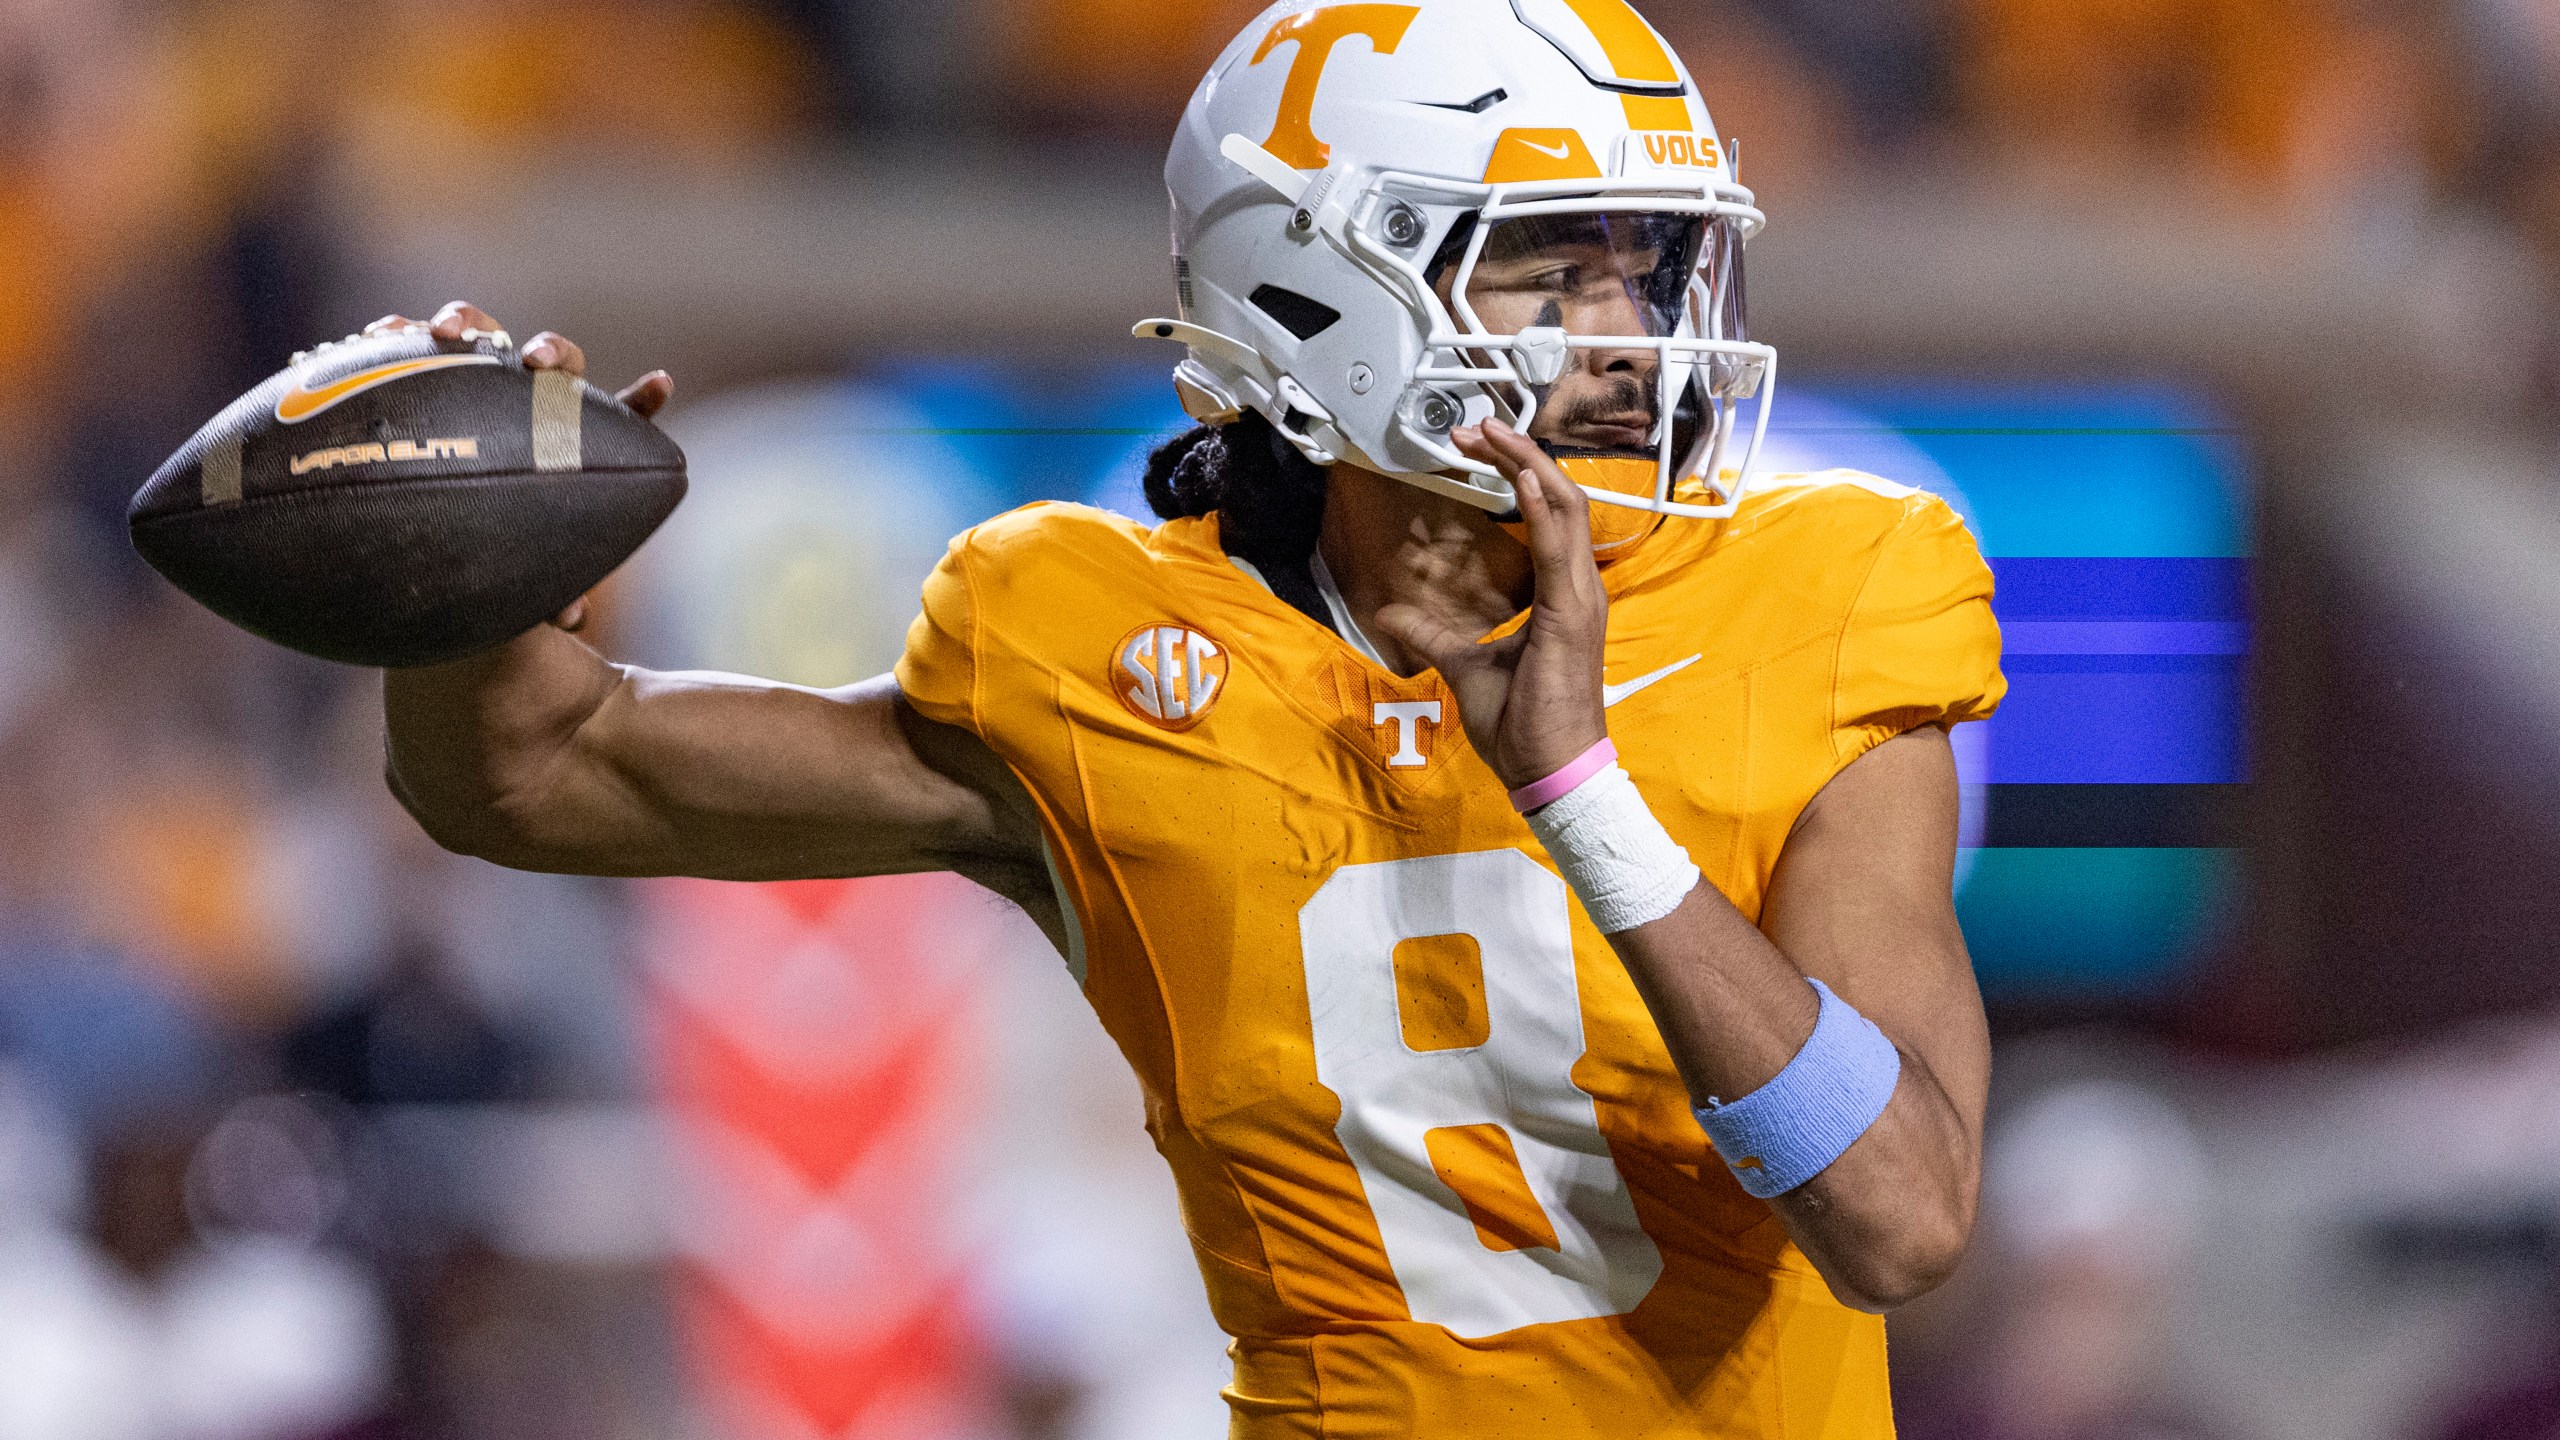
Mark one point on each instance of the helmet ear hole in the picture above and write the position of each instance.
(1298, 314)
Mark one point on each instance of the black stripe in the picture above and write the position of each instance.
(2137, 816)
(1477, 106)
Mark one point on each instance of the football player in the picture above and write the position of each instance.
(1510, 838)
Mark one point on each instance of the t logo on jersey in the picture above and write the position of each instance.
(1315, 33)
(1169, 676)
(1408, 716)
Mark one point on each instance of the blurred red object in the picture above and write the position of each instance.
(819, 1044)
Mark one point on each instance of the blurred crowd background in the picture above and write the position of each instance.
(308, 1129)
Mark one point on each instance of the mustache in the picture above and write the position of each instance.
(1626, 395)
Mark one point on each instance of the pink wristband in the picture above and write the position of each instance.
(1555, 787)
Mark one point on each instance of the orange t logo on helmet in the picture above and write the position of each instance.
(1293, 136)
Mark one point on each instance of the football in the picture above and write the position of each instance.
(398, 500)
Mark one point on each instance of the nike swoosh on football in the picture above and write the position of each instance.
(1612, 694)
(1558, 152)
(302, 402)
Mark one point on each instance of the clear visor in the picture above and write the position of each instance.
(1592, 273)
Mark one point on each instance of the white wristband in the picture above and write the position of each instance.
(1614, 853)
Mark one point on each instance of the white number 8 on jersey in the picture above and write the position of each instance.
(1520, 1079)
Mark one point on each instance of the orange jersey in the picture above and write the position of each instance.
(1439, 1172)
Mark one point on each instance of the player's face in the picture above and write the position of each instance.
(1592, 275)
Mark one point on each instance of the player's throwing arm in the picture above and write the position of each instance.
(541, 755)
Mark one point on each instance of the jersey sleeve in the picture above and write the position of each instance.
(1920, 646)
(938, 671)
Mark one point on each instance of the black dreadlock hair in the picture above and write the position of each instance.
(1269, 500)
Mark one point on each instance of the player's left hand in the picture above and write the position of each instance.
(1530, 700)
(550, 350)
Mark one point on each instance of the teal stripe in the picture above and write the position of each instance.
(2068, 470)
(2092, 921)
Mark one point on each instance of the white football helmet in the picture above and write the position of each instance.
(1351, 180)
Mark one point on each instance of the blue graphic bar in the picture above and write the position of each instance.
(2124, 637)
(2096, 587)
(2122, 671)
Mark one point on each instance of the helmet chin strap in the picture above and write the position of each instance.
(1614, 528)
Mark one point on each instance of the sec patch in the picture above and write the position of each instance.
(1168, 675)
